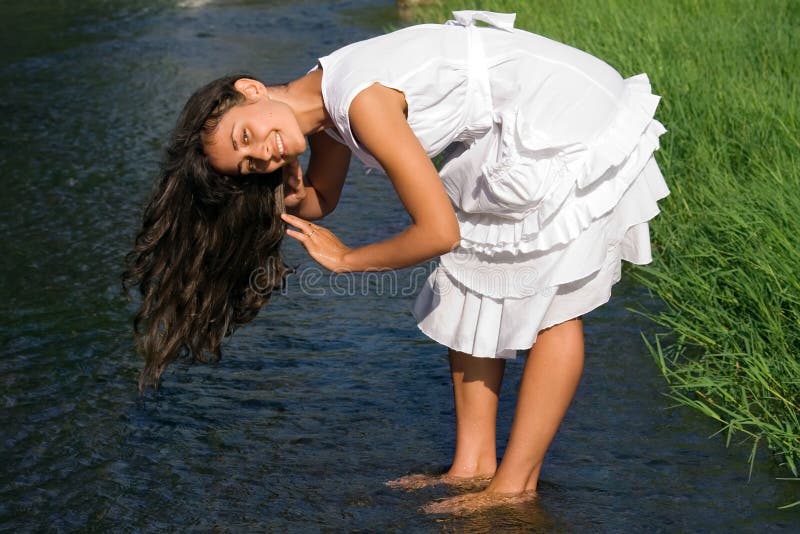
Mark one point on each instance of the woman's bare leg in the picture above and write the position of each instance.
(476, 387)
(552, 372)
(549, 381)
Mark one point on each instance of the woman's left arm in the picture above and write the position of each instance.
(378, 120)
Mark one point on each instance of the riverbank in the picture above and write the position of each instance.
(725, 246)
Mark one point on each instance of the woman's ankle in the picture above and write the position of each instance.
(510, 482)
(472, 469)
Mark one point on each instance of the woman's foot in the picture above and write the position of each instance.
(475, 502)
(423, 480)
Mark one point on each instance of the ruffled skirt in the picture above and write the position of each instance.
(554, 223)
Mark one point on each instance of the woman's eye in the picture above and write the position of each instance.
(251, 165)
(245, 137)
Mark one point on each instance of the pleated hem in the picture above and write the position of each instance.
(486, 327)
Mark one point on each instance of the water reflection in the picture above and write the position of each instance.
(528, 517)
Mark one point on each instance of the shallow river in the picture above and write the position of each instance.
(331, 391)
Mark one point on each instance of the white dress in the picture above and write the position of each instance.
(548, 161)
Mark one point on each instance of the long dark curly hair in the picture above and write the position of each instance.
(203, 238)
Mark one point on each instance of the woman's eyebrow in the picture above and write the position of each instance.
(236, 148)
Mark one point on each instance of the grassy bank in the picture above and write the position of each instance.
(726, 246)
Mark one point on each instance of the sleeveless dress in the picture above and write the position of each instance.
(547, 159)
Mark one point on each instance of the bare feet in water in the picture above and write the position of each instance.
(474, 502)
(422, 480)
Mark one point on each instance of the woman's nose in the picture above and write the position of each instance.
(265, 151)
(259, 151)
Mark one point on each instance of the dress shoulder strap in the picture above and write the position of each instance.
(468, 17)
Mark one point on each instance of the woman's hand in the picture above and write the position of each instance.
(294, 189)
(321, 243)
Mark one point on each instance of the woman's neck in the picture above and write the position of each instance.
(304, 96)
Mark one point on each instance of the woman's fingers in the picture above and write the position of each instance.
(305, 229)
(294, 189)
(300, 236)
(321, 243)
(293, 173)
(296, 221)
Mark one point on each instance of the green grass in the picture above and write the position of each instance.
(726, 246)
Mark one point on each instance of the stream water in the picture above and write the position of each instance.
(332, 390)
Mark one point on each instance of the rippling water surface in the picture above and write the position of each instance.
(330, 391)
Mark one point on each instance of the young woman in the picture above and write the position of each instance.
(547, 184)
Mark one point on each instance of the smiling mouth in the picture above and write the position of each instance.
(279, 142)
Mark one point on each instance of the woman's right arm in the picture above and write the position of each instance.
(316, 195)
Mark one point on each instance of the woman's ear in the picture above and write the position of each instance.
(250, 88)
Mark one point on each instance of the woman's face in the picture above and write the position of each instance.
(258, 136)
